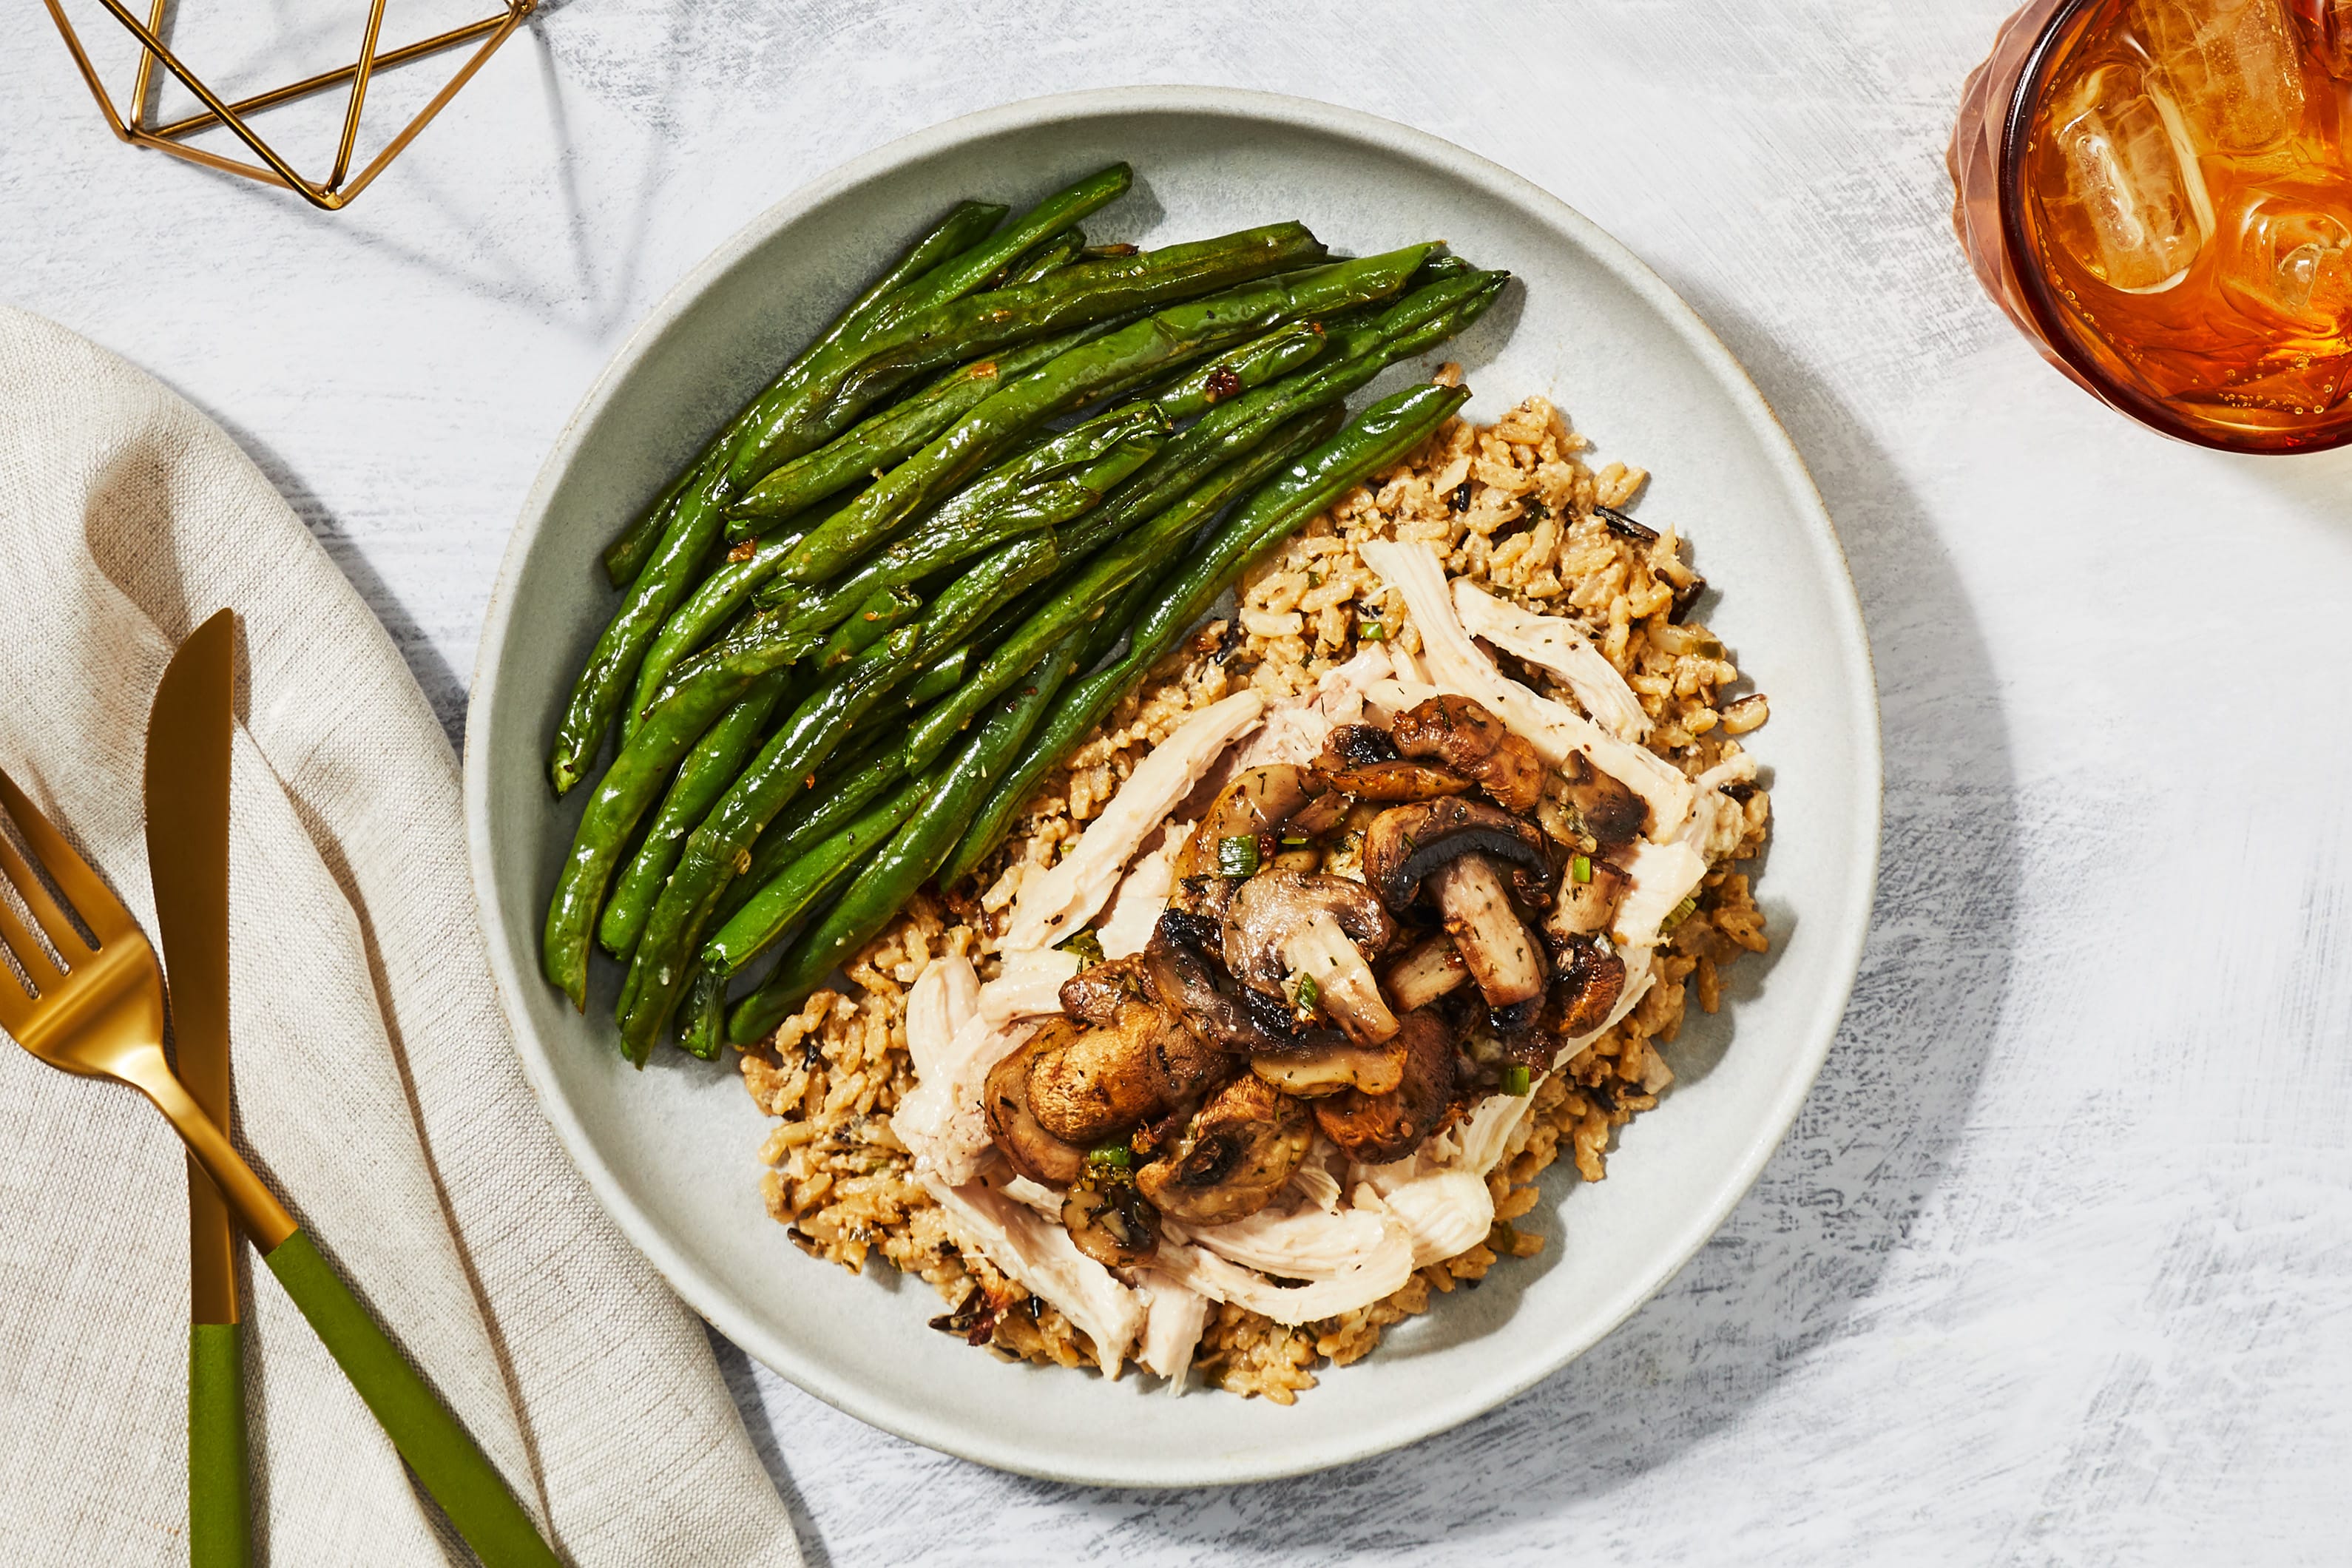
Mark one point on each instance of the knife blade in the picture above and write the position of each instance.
(188, 730)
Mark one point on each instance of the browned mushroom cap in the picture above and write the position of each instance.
(1375, 1129)
(1111, 1221)
(1097, 993)
(1472, 741)
(1356, 746)
(1183, 976)
(1399, 781)
(1086, 1083)
(1591, 977)
(1406, 843)
(1284, 928)
(1235, 1155)
(1586, 906)
(1026, 1146)
(1260, 801)
(1605, 807)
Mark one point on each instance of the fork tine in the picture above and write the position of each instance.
(97, 906)
(14, 867)
(23, 946)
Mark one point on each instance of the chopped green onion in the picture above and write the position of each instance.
(1371, 631)
(1237, 855)
(1580, 869)
(1515, 1079)
(1087, 945)
(1114, 1154)
(1675, 917)
(1308, 993)
(1295, 841)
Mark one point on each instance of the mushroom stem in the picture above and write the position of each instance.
(1493, 941)
(1344, 985)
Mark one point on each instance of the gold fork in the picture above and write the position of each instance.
(99, 1013)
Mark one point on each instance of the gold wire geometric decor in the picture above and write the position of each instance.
(336, 191)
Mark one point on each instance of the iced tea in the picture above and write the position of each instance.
(2175, 210)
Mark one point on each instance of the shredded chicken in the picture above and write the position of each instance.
(1295, 728)
(1039, 1255)
(1060, 900)
(1174, 1316)
(1663, 876)
(1030, 985)
(952, 1046)
(1448, 1212)
(1142, 896)
(1554, 643)
(1376, 1271)
(1717, 821)
(1311, 1243)
(1554, 729)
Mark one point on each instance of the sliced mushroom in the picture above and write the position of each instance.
(1375, 1069)
(1503, 956)
(1605, 807)
(1425, 974)
(1591, 977)
(1097, 994)
(1357, 746)
(1185, 977)
(1284, 930)
(1376, 1129)
(1109, 1218)
(1235, 1153)
(1586, 906)
(1400, 780)
(1258, 802)
(1025, 1145)
(1472, 741)
(1406, 843)
(1086, 1083)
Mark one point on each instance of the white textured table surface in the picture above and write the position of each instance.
(2057, 1265)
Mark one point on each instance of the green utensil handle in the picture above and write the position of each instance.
(445, 1459)
(219, 1496)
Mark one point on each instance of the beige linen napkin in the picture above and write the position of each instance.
(377, 1087)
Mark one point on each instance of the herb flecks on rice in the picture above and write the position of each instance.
(1512, 507)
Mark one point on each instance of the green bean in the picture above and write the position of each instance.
(959, 231)
(812, 402)
(1359, 353)
(1250, 365)
(708, 769)
(1062, 382)
(687, 709)
(1044, 486)
(703, 1030)
(1004, 572)
(692, 624)
(721, 847)
(1055, 254)
(1080, 293)
(861, 452)
(1094, 588)
(941, 676)
(913, 854)
(882, 609)
(809, 817)
(789, 895)
(1374, 440)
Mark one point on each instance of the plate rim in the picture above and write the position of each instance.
(708, 1298)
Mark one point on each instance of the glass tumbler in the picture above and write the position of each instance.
(2159, 194)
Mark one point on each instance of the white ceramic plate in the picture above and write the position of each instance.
(671, 1151)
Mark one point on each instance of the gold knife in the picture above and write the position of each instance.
(188, 732)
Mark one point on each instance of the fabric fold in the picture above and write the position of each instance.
(377, 1085)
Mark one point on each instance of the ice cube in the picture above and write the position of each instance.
(2292, 263)
(2328, 24)
(2139, 213)
(2230, 65)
